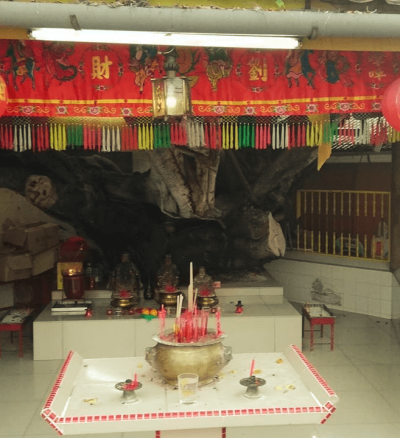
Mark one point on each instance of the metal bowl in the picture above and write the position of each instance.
(206, 358)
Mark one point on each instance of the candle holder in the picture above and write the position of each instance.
(252, 383)
(128, 387)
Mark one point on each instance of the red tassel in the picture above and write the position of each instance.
(289, 140)
(257, 139)
(5, 137)
(91, 138)
(2, 137)
(39, 138)
(46, 137)
(218, 136)
(42, 134)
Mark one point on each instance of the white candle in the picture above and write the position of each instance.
(190, 297)
(190, 289)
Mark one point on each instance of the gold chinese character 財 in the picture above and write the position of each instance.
(2, 91)
(100, 70)
(258, 71)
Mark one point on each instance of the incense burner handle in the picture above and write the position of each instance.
(227, 354)
(150, 355)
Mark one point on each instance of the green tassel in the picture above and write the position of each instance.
(168, 136)
(155, 137)
(240, 136)
(253, 135)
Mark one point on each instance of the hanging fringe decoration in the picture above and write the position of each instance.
(230, 133)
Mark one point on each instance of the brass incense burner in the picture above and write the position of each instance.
(169, 299)
(204, 358)
(207, 302)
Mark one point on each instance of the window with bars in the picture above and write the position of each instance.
(344, 223)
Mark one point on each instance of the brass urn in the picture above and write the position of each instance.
(207, 302)
(124, 303)
(169, 299)
(205, 358)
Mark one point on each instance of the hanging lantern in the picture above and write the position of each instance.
(171, 94)
(391, 104)
(3, 96)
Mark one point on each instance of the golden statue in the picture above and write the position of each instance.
(125, 283)
(204, 284)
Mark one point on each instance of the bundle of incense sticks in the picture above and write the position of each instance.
(191, 326)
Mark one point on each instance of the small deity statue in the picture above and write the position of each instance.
(204, 284)
(168, 276)
(125, 283)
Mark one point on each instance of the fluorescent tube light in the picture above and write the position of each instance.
(163, 38)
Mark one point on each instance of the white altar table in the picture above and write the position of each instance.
(84, 399)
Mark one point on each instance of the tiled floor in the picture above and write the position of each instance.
(364, 370)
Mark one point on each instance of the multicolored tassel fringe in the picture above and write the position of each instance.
(218, 134)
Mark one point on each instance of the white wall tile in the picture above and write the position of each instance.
(349, 287)
(375, 277)
(396, 309)
(349, 303)
(374, 306)
(386, 309)
(374, 291)
(349, 274)
(338, 272)
(386, 278)
(361, 304)
(327, 271)
(338, 285)
(386, 293)
(361, 290)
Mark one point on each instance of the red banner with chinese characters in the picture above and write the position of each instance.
(65, 79)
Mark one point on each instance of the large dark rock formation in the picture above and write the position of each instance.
(213, 208)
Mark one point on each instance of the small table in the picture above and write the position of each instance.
(319, 314)
(14, 321)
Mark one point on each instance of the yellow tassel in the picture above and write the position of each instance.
(51, 136)
(236, 136)
(143, 136)
(312, 140)
(151, 145)
(308, 135)
(223, 136)
(60, 137)
(140, 146)
(231, 142)
(64, 137)
(55, 136)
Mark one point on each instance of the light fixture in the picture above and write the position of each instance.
(171, 94)
(165, 39)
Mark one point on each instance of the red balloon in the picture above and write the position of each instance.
(3, 96)
(391, 104)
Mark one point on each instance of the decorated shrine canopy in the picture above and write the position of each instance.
(49, 79)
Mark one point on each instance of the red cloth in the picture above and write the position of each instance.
(86, 80)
